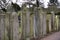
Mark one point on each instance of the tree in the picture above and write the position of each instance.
(53, 1)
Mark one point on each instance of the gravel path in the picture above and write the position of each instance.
(55, 36)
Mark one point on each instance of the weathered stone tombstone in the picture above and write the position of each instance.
(36, 23)
(48, 23)
(2, 25)
(14, 25)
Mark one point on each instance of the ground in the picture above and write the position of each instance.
(54, 36)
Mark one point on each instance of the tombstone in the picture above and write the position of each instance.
(48, 23)
(44, 23)
(14, 26)
(52, 21)
(2, 26)
(28, 25)
(36, 24)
